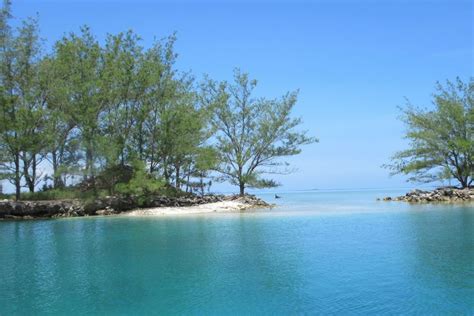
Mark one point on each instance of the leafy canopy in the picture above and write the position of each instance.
(253, 134)
(441, 139)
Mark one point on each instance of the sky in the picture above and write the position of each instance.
(354, 63)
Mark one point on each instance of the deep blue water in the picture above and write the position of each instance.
(316, 253)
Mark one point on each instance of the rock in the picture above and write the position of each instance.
(448, 194)
(107, 211)
(249, 199)
(8, 216)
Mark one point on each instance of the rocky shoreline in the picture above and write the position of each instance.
(448, 194)
(110, 205)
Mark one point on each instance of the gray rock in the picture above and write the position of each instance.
(448, 194)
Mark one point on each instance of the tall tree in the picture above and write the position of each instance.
(31, 101)
(21, 113)
(441, 138)
(80, 60)
(125, 83)
(252, 133)
(9, 143)
(62, 133)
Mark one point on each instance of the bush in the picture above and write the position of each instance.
(108, 179)
(141, 184)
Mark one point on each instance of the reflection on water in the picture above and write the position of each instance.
(375, 258)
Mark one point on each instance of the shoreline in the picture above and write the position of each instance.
(439, 195)
(129, 206)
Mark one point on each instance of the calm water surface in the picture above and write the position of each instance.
(316, 253)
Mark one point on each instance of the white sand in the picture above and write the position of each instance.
(221, 207)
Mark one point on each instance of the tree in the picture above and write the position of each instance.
(62, 134)
(174, 124)
(441, 139)
(125, 84)
(154, 130)
(252, 134)
(200, 166)
(80, 64)
(22, 105)
(9, 143)
(30, 102)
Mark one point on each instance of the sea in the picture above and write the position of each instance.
(337, 252)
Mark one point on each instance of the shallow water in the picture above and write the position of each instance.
(315, 253)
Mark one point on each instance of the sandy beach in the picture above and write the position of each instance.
(218, 207)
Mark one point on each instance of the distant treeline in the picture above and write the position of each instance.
(119, 116)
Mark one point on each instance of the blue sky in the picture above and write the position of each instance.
(353, 61)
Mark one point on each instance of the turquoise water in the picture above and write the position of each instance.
(316, 253)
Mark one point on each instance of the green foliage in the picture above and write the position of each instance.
(252, 134)
(441, 139)
(115, 117)
(22, 116)
(55, 194)
(108, 179)
(141, 184)
(69, 193)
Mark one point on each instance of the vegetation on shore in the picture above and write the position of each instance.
(441, 139)
(91, 118)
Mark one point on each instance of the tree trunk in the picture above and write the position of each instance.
(178, 184)
(17, 177)
(201, 184)
(57, 180)
(242, 188)
(89, 162)
(33, 175)
(464, 182)
(26, 173)
(90, 169)
(188, 178)
(152, 161)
